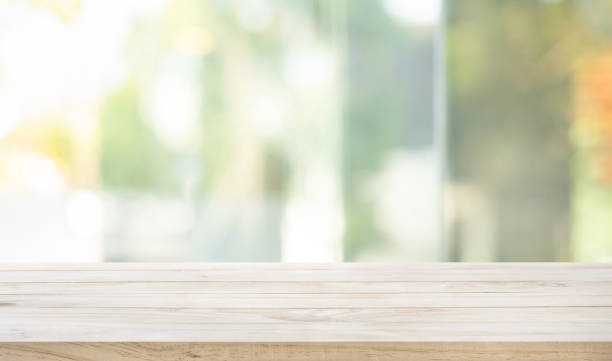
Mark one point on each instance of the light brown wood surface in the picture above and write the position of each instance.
(425, 311)
(363, 351)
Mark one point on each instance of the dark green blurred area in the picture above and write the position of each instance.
(511, 76)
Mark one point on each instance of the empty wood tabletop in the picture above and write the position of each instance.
(350, 311)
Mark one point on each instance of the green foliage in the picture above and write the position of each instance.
(131, 156)
(510, 69)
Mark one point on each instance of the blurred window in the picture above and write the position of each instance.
(305, 130)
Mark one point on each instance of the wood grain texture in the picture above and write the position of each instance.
(439, 311)
(371, 351)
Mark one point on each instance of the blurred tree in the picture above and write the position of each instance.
(510, 71)
(131, 157)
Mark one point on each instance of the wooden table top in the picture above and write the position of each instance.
(350, 302)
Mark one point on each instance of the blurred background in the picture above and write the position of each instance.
(305, 130)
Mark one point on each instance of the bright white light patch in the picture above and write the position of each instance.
(310, 68)
(9, 115)
(268, 114)
(36, 172)
(84, 213)
(174, 109)
(313, 223)
(414, 12)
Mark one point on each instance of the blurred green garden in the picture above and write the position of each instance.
(305, 130)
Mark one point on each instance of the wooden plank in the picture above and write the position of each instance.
(102, 331)
(420, 351)
(351, 272)
(156, 316)
(304, 287)
(315, 301)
